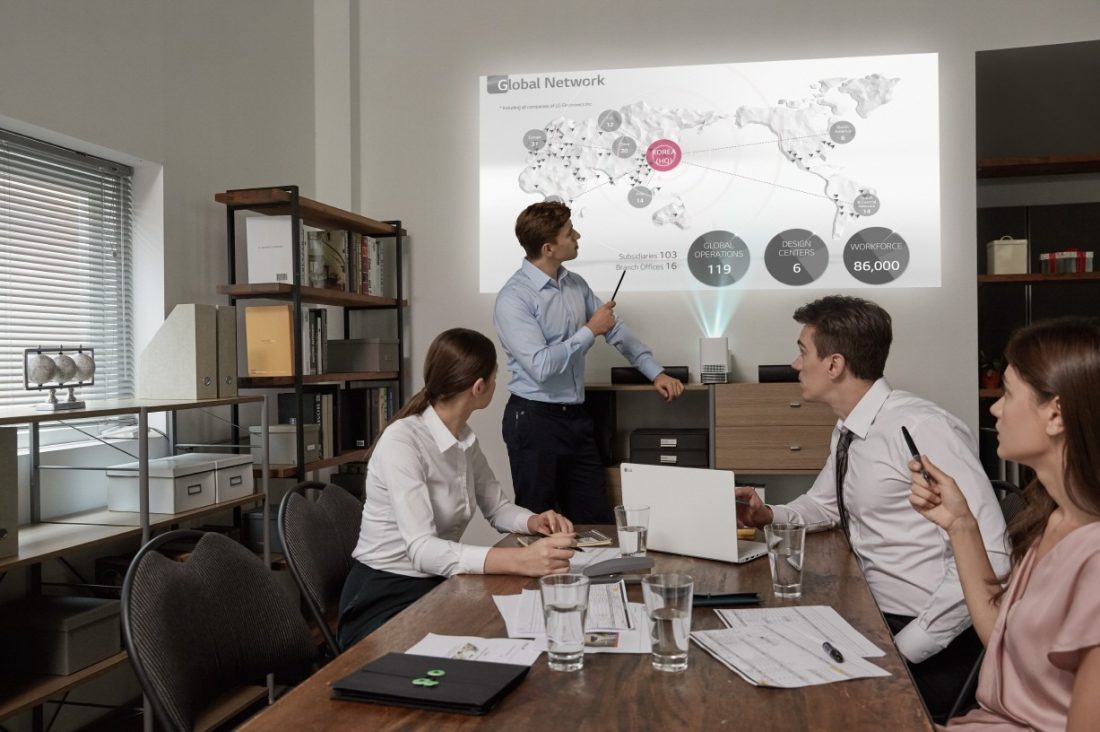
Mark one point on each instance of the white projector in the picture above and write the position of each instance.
(714, 360)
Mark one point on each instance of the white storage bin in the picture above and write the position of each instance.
(282, 439)
(1006, 256)
(232, 477)
(176, 484)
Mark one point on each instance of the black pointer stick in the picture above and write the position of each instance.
(616, 292)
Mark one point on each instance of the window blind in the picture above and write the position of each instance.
(65, 264)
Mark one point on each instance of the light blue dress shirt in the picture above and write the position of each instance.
(541, 324)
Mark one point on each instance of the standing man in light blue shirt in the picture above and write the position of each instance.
(547, 318)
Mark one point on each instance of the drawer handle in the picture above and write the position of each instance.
(236, 480)
(668, 460)
(669, 442)
(194, 490)
(795, 404)
(795, 448)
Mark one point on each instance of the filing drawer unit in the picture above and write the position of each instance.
(770, 428)
(684, 447)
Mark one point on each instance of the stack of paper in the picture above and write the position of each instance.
(783, 647)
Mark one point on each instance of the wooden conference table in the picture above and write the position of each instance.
(622, 692)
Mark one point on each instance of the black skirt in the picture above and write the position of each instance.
(371, 597)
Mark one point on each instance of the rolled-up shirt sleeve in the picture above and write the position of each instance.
(516, 322)
(404, 473)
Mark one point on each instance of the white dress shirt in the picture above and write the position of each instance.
(906, 559)
(422, 482)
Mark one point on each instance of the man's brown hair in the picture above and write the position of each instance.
(857, 329)
(540, 223)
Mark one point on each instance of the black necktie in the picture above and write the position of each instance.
(841, 470)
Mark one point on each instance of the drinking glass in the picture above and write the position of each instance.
(632, 523)
(668, 604)
(785, 548)
(564, 604)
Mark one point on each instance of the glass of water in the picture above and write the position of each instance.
(632, 523)
(668, 604)
(785, 545)
(564, 604)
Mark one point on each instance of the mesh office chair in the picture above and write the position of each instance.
(1011, 499)
(318, 539)
(213, 623)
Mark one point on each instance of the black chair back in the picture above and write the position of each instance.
(318, 538)
(215, 622)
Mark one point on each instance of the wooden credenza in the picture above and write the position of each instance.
(769, 428)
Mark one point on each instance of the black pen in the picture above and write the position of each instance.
(833, 652)
(916, 453)
(726, 599)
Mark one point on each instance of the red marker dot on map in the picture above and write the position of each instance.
(663, 155)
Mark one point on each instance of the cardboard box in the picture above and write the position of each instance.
(269, 336)
(59, 635)
(362, 354)
(176, 484)
(283, 441)
(1006, 256)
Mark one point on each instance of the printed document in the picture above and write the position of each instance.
(470, 648)
(814, 621)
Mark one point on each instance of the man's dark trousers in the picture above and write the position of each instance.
(554, 460)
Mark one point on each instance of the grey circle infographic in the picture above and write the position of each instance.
(842, 132)
(610, 120)
(796, 257)
(624, 147)
(866, 204)
(718, 258)
(876, 255)
(639, 196)
(534, 140)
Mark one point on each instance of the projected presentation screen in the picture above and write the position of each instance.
(818, 173)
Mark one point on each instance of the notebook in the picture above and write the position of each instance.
(692, 511)
(466, 687)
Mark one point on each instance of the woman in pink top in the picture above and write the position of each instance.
(1041, 632)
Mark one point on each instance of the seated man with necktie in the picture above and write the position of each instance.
(864, 489)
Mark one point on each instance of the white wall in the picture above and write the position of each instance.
(210, 94)
(419, 64)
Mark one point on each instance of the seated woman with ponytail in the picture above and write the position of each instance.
(1042, 660)
(424, 475)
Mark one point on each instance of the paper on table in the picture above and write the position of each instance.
(763, 656)
(816, 621)
(635, 640)
(470, 648)
(606, 611)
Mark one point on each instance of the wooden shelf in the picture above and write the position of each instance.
(1035, 278)
(24, 692)
(265, 382)
(638, 387)
(63, 534)
(311, 295)
(1039, 165)
(291, 471)
(276, 202)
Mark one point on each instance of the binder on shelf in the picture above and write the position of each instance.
(269, 340)
(227, 351)
(181, 361)
(9, 493)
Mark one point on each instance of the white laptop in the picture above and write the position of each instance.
(692, 511)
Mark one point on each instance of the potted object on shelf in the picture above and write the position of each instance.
(989, 372)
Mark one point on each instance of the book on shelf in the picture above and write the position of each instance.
(269, 340)
(375, 275)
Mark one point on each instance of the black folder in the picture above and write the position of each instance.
(467, 687)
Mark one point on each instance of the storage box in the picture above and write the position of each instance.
(1067, 261)
(1006, 256)
(254, 524)
(684, 447)
(362, 354)
(282, 438)
(176, 484)
(59, 635)
(233, 477)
